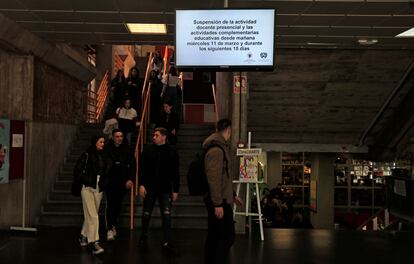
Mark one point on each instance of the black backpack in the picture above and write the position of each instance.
(196, 175)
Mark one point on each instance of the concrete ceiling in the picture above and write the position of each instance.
(328, 23)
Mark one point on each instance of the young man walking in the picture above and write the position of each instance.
(219, 200)
(120, 179)
(159, 180)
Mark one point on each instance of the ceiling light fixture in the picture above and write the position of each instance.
(141, 28)
(406, 34)
(367, 41)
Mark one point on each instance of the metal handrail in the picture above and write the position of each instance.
(146, 93)
(165, 61)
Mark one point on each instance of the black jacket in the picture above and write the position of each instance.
(159, 169)
(95, 163)
(123, 165)
(169, 122)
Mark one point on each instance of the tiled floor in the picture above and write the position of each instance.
(59, 246)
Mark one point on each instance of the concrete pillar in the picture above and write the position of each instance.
(103, 61)
(224, 90)
(274, 169)
(323, 174)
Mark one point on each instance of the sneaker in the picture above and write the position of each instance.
(96, 248)
(168, 249)
(83, 241)
(110, 235)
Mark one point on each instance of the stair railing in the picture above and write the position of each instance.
(142, 134)
(91, 98)
(119, 63)
(102, 96)
(165, 70)
(378, 221)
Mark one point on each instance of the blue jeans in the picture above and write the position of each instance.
(165, 202)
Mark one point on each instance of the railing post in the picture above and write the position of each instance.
(375, 224)
(131, 209)
(386, 218)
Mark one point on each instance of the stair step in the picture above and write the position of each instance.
(63, 209)
(65, 195)
(76, 219)
(179, 208)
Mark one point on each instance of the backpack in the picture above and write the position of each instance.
(196, 175)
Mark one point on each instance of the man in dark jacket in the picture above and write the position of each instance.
(120, 178)
(221, 233)
(159, 180)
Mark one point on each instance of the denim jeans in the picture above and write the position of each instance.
(165, 202)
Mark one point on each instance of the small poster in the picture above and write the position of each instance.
(17, 140)
(240, 84)
(4, 150)
(249, 168)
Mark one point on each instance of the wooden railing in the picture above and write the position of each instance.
(142, 134)
(118, 63)
(96, 101)
(103, 92)
(91, 97)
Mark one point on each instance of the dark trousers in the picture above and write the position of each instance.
(114, 198)
(165, 202)
(220, 234)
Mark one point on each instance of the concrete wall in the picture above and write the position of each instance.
(323, 174)
(57, 96)
(49, 144)
(52, 104)
(16, 86)
(322, 96)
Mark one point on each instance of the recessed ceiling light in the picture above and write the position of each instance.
(140, 28)
(406, 34)
(367, 41)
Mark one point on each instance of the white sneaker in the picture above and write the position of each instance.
(110, 235)
(83, 241)
(97, 249)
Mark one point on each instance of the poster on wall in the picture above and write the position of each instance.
(249, 168)
(4, 150)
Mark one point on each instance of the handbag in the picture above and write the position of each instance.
(77, 180)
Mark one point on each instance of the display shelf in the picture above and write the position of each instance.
(360, 184)
(296, 173)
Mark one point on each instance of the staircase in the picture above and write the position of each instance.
(63, 209)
